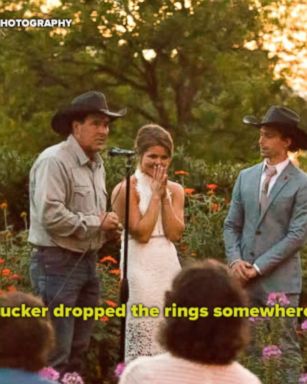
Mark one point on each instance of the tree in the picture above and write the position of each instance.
(182, 64)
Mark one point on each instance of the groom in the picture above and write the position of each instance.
(267, 221)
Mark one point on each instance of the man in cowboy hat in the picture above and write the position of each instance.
(267, 221)
(69, 222)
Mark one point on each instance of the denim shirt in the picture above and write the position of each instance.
(67, 195)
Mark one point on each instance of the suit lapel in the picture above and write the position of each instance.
(254, 198)
(281, 181)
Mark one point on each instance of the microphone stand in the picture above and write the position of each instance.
(124, 286)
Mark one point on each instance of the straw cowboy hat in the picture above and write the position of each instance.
(285, 119)
(89, 102)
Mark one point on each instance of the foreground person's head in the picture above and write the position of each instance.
(207, 340)
(25, 342)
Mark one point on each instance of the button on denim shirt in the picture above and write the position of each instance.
(67, 195)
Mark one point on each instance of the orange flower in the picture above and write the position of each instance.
(6, 272)
(15, 276)
(11, 288)
(3, 205)
(111, 259)
(111, 303)
(189, 191)
(215, 207)
(2, 261)
(212, 187)
(181, 172)
(115, 271)
(104, 319)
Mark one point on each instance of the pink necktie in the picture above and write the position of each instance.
(270, 171)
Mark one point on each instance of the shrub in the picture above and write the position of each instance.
(14, 172)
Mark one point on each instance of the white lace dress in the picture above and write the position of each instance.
(151, 269)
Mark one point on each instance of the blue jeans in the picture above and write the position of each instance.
(61, 276)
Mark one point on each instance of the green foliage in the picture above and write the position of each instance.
(203, 236)
(14, 184)
(199, 82)
(205, 212)
(103, 355)
(14, 255)
(208, 190)
(202, 172)
(266, 333)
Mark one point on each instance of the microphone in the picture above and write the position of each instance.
(120, 152)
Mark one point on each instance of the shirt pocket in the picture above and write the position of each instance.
(83, 200)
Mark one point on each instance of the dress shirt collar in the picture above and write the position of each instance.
(79, 152)
(279, 167)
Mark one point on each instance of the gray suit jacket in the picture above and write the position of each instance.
(271, 240)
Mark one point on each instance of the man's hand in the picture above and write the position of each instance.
(109, 221)
(241, 270)
(252, 272)
(115, 235)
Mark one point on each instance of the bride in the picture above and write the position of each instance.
(156, 220)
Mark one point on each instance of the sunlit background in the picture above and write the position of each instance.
(290, 45)
(286, 41)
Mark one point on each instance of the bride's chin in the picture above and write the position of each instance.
(148, 172)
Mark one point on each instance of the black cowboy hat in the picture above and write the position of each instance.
(89, 102)
(283, 118)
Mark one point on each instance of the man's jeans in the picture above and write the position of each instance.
(60, 276)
